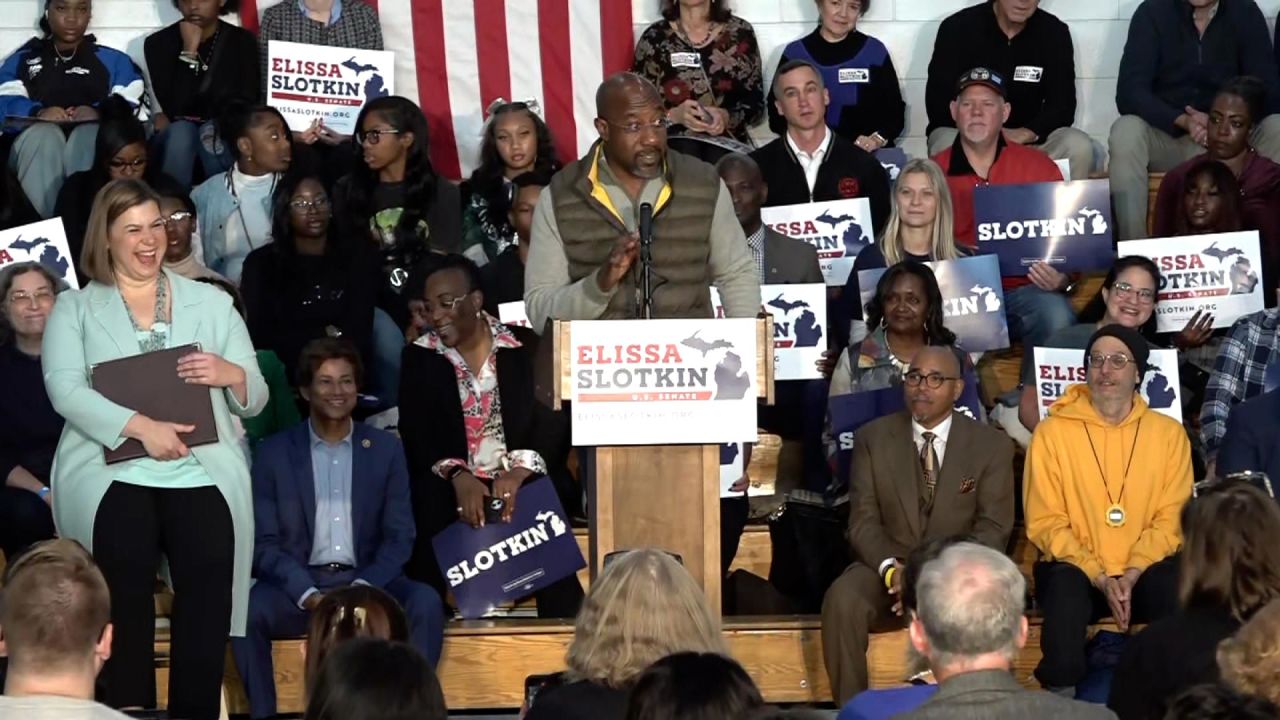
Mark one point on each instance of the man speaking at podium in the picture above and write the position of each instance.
(585, 253)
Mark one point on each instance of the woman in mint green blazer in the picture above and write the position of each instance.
(190, 507)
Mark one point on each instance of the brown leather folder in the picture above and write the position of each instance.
(149, 384)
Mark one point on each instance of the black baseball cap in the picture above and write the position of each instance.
(981, 76)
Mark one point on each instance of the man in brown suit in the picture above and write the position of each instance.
(925, 473)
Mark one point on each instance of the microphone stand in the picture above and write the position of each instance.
(646, 261)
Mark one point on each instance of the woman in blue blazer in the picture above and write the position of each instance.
(191, 506)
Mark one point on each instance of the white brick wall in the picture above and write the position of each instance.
(907, 27)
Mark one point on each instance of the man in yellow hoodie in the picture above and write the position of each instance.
(1106, 479)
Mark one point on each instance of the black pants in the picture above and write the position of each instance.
(192, 529)
(1069, 603)
(734, 513)
(25, 519)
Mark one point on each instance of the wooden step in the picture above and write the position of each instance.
(486, 662)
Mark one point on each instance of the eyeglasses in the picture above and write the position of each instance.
(933, 380)
(450, 305)
(304, 206)
(1117, 361)
(373, 137)
(40, 297)
(118, 164)
(177, 217)
(659, 126)
(1124, 289)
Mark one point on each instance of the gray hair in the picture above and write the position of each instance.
(13, 272)
(970, 601)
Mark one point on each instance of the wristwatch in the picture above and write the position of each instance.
(1070, 288)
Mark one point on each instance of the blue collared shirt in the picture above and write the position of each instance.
(331, 465)
(334, 14)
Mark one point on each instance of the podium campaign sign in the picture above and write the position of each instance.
(972, 300)
(513, 313)
(1064, 224)
(849, 412)
(44, 242)
(663, 382)
(1217, 274)
(838, 229)
(799, 327)
(499, 562)
(310, 82)
(1058, 368)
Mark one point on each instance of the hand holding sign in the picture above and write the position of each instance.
(1196, 332)
(1046, 278)
(471, 494)
(506, 485)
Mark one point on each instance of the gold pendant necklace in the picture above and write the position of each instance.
(1115, 516)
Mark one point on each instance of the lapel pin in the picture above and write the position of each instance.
(366, 443)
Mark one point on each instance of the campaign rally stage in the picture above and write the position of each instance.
(799, 315)
(500, 562)
(44, 242)
(839, 230)
(972, 300)
(1216, 274)
(310, 82)
(1058, 368)
(1064, 224)
(663, 381)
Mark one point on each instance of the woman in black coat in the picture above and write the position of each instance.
(456, 457)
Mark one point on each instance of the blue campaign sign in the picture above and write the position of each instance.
(505, 561)
(892, 159)
(972, 300)
(1067, 225)
(851, 411)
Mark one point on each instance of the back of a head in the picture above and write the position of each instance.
(374, 679)
(1218, 702)
(1231, 550)
(643, 607)
(1249, 661)
(53, 608)
(970, 601)
(348, 613)
(693, 686)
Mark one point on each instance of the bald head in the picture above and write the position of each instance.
(737, 162)
(936, 358)
(931, 405)
(970, 602)
(747, 189)
(624, 89)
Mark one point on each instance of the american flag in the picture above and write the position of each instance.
(454, 57)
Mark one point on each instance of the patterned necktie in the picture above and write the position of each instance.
(928, 467)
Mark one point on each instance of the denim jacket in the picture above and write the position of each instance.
(216, 205)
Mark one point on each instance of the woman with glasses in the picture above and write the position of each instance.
(182, 253)
(233, 209)
(120, 151)
(29, 426)
(516, 141)
(308, 283)
(1228, 571)
(394, 202)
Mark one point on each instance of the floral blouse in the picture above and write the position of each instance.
(724, 73)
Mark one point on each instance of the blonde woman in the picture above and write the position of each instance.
(644, 607)
(1250, 660)
(919, 228)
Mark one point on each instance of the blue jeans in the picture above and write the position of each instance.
(43, 156)
(1035, 314)
(388, 344)
(178, 147)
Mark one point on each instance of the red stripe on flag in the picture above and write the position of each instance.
(616, 41)
(433, 84)
(249, 15)
(491, 51)
(557, 74)
(373, 4)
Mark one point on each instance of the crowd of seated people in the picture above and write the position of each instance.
(326, 277)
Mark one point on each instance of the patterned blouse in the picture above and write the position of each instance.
(482, 411)
(483, 227)
(724, 73)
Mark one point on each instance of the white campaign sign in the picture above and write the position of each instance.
(1058, 368)
(1219, 274)
(839, 230)
(663, 382)
(44, 242)
(799, 327)
(512, 313)
(731, 472)
(310, 82)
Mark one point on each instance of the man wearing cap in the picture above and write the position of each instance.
(980, 155)
(810, 163)
(1032, 49)
(1178, 53)
(1105, 482)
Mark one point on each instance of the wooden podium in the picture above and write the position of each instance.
(664, 496)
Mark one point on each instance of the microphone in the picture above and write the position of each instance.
(646, 224)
